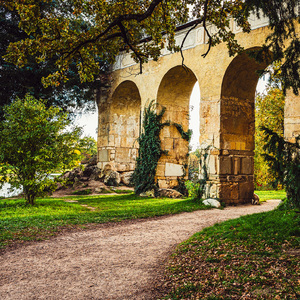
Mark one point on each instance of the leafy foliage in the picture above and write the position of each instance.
(65, 35)
(186, 135)
(198, 185)
(283, 158)
(17, 82)
(87, 147)
(34, 141)
(269, 112)
(150, 149)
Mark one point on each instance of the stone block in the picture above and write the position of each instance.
(174, 132)
(225, 165)
(103, 155)
(122, 155)
(246, 190)
(173, 170)
(111, 140)
(212, 165)
(131, 166)
(212, 202)
(247, 165)
(163, 183)
(121, 167)
(229, 191)
(165, 131)
(160, 170)
(168, 144)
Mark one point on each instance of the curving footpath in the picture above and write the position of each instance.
(115, 261)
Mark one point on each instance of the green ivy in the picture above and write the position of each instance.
(150, 149)
(186, 135)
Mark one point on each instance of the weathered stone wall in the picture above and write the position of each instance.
(227, 87)
(119, 127)
(174, 93)
(291, 116)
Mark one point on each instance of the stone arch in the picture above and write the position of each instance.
(120, 127)
(237, 128)
(174, 94)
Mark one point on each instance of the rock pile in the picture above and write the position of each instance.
(90, 177)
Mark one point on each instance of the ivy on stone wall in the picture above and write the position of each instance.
(186, 135)
(150, 149)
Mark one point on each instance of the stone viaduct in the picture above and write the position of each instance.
(227, 87)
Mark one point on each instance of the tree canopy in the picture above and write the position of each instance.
(84, 31)
(17, 82)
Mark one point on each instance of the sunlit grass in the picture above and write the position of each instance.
(268, 195)
(19, 221)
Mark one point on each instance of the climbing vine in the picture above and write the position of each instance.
(150, 149)
(186, 135)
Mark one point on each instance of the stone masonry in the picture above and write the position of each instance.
(227, 87)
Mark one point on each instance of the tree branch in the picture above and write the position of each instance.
(204, 26)
(118, 22)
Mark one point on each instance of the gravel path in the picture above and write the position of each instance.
(117, 261)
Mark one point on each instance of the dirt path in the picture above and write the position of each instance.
(117, 261)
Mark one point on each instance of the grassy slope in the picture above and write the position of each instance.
(267, 195)
(21, 222)
(252, 257)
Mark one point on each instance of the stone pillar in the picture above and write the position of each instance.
(236, 156)
(291, 116)
(105, 150)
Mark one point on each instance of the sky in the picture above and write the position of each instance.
(89, 122)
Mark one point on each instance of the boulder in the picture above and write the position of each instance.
(125, 178)
(149, 193)
(93, 161)
(212, 202)
(169, 193)
(99, 190)
(113, 178)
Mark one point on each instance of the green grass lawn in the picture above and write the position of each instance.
(19, 222)
(267, 195)
(252, 257)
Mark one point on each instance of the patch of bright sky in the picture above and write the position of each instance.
(89, 122)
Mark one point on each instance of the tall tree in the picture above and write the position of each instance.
(17, 82)
(81, 31)
(34, 142)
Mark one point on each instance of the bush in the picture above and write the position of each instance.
(195, 189)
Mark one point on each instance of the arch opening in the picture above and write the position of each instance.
(174, 94)
(237, 129)
(120, 127)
